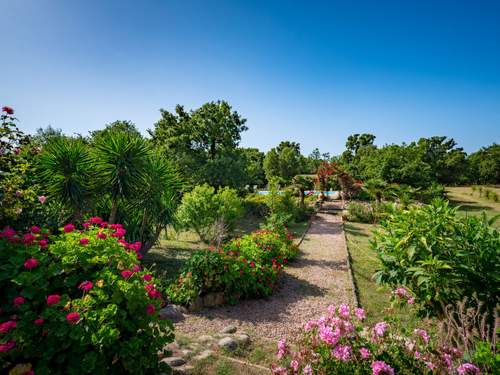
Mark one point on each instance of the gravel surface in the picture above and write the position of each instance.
(316, 279)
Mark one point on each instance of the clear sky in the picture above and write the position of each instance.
(309, 71)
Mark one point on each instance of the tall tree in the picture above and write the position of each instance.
(200, 138)
(283, 161)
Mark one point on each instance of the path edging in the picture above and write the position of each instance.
(349, 268)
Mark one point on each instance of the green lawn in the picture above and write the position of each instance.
(472, 203)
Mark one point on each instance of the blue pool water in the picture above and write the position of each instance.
(308, 192)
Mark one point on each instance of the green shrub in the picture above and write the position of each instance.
(255, 205)
(247, 267)
(78, 303)
(368, 212)
(201, 208)
(439, 256)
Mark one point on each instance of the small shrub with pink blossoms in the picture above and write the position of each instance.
(340, 343)
(78, 302)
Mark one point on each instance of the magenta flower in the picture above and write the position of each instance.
(365, 353)
(147, 277)
(86, 285)
(95, 220)
(342, 352)
(42, 199)
(5, 327)
(295, 365)
(150, 309)
(101, 235)
(360, 314)
(282, 348)
(39, 321)
(18, 301)
(43, 243)
(68, 228)
(380, 367)
(84, 241)
(329, 336)
(30, 263)
(53, 299)
(126, 274)
(307, 370)
(7, 346)
(28, 239)
(35, 229)
(468, 368)
(380, 329)
(344, 310)
(423, 334)
(136, 268)
(73, 317)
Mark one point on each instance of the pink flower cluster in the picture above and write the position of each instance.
(403, 293)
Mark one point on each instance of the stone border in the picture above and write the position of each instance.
(245, 363)
(349, 268)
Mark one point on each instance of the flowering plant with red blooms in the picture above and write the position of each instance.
(340, 342)
(74, 302)
(246, 267)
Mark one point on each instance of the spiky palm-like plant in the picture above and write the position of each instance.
(157, 198)
(65, 167)
(120, 160)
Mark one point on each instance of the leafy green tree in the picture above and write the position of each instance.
(485, 165)
(375, 188)
(195, 139)
(254, 166)
(302, 183)
(284, 161)
(120, 161)
(44, 135)
(124, 126)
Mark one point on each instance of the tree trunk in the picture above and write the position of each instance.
(114, 210)
(143, 223)
(149, 244)
(302, 197)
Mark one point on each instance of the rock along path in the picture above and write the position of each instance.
(319, 277)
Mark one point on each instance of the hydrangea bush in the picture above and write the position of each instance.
(340, 343)
(246, 267)
(78, 302)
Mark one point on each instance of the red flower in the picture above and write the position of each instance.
(95, 220)
(86, 285)
(73, 317)
(7, 326)
(126, 274)
(68, 228)
(252, 264)
(7, 346)
(154, 294)
(119, 233)
(18, 301)
(30, 263)
(150, 309)
(28, 239)
(136, 268)
(147, 277)
(43, 243)
(84, 241)
(39, 321)
(35, 229)
(53, 299)
(139, 256)
(8, 109)
(101, 235)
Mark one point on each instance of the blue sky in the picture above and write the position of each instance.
(311, 72)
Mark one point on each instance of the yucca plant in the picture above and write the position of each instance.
(156, 198)
(120, 164)
(375, 188)
(66, 168)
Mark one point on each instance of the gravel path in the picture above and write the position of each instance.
(317, 278)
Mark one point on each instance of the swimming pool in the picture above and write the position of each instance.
(307, 192)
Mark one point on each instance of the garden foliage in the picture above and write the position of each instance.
(78, 302)
(341, 343)
(439, 256)
(247, 267)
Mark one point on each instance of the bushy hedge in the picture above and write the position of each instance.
(341, 343)
(362, 212)
(78, 302)
(439, 256)
(247, 267)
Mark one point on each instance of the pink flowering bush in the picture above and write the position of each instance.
(78, 302)
(341, 343)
